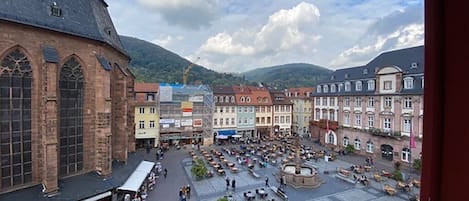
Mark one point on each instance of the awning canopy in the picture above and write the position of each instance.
(222, 137)
(237, 135)
(227, 132)
(137, 178)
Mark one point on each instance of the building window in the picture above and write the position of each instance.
(406, 125)
(221, 109)
(239, 121)
(221, 98)
(262, 120)
(369, 147)
(282, 119)
(347, 86)
(357, 144)
(358, 102)
(150, 97)
(287, 108)
(55, 10)
(332, 101)
(331, 115)
(387, 124)
(346, 119)
(242, 99)
(330, 138)
(319, 89)
(262, 109)
(221, 121)
(152, 110)
(233, 110)
(248, 99)
(268, 120)
(282, 108)
(232, 121)
(257, 120)
(408, 83)
(141, 124)
(347, 101)
(246, 109)
(345, 142)
(152, 124)
(333, 88)
(257, 109)
(318, 101)
(245, 120)
(387, 102)
(318, 115)
(371, 121)
(365, 71)
(387, 85)
(287, 119)
(326, 88)
(141, 110)
(227, 121)
(341, 87)
(276, 108)
(215, 99)
(15, 121)
(371, 85)
(71, 87)
(324, 101)
(240, 109)
(232, 99)
(405, 154)
(408, 103)
(358, 86)
(358, 119)
(371, 102)
(276, 119)
(215, 121)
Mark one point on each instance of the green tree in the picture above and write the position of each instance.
(222, 199)
(198, 169)
(417, 164)
(350, 149)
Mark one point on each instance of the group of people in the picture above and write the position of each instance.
(369, 161)
(185, 193)
(233, 183)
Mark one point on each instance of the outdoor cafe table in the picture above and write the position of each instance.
(216, 166)
(230, 164)
(285, 160)
(225, 161)
(234, 169)
(221, 171)
(212, 163)
(222, 158)
(290, 157)
(262, 193)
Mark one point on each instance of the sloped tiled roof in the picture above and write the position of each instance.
(302, 92)
(146, 87)
(84, 18)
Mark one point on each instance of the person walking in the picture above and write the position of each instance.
(180, 193)
(188, 190)
(165, 173)
(233, 184)
(227, 183)
(281, 182)
(266, 181)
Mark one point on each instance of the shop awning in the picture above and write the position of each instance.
(222, 137)
(227, 132)
(237, 136)
(137, 178)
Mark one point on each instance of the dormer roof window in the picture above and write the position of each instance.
(55, 10)
(365, 71)
(414, 65)
(346, 75)
(319, 89)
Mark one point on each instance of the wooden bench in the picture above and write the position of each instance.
(280, 193)
(254, 174)
(389, 190)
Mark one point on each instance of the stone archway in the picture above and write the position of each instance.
(387, 152)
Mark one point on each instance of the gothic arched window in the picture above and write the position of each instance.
(71, 118)
(15, 119)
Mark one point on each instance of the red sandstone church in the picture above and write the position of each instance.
(66, 97)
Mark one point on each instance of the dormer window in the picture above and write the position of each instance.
(266, 100)
(55, 10)
(242, 99)
(326, 88)
(346, 75)
(408, 83)
(341, 87)
(259, 99)
(332, 77)
(248, 99)
(365, 71)
(347, 86)
(215, 99)
(371, 85)
(414, 65)
(232, 99)
(221, 99)
(319, 89)
(358, 85)
(332, 88)
(376, 69)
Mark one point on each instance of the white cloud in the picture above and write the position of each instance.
(192, 14)
(167, 41)
(290, 30)
(398, 30)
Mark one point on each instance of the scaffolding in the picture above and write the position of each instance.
(186, 113)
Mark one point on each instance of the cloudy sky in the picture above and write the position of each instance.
(240, 35)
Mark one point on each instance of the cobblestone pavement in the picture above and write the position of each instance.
(178, 163)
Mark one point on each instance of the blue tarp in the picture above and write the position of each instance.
(227, 132)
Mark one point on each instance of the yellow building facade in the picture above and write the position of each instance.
(147, 115)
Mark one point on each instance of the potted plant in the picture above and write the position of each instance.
(198, 169)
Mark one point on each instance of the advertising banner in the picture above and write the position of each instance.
(186, 108)
(186, 122)
(196, 98)
(197, 123)
(166, 121)
(177, 123)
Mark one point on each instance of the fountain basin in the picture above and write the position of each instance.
(308, 177)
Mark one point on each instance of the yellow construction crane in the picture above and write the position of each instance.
(188, 69)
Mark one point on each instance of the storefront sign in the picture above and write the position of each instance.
(166, 121)
(186, 122)
(197, 123)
